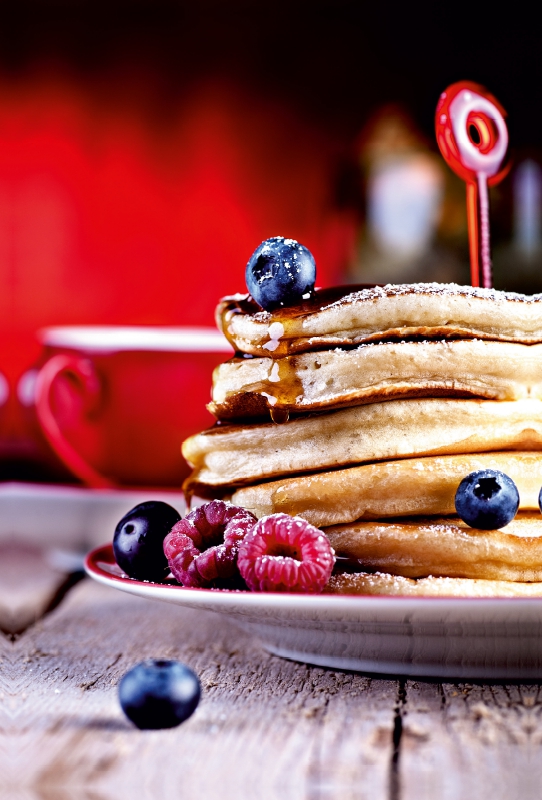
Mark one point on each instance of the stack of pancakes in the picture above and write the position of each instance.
(362, 409)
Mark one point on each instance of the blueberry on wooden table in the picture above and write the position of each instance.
(487, 499)
(139, 538)
(159, 694)
(280, 272)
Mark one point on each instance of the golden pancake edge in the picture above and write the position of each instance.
(412, 487)
(444, 547)
(241, 454)
(362, 583)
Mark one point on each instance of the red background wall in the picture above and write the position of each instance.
(108, 215)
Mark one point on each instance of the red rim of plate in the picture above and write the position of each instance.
(104, 556)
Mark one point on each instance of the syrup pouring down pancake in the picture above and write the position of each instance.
(315, 381)
(375, 439)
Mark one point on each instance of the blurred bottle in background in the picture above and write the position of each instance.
(517, 255)
(527, 196)
(414, 227)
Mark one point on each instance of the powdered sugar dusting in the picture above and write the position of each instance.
(432, 289)
(371, 294)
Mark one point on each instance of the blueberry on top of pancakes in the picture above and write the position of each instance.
(487, 499)
(280, 272)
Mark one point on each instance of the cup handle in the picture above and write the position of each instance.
(84, 374)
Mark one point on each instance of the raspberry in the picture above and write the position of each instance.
(201, 549)
(285, 554)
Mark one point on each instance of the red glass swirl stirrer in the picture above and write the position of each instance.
(473, 138)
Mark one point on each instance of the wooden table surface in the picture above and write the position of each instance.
(265, 727)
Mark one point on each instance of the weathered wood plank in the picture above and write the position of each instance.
(29, 583)
(265, 727)
(468, 740)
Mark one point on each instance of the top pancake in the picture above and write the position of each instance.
(349, 315)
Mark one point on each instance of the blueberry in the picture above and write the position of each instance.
(159, 694)
(281, 272)
(139, 538)
(487, 499)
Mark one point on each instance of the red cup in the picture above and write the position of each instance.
(115, 403)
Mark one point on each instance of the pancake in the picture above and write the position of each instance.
(235, 455)
(346, 316)
(410, 487)
(388, 396)
(384, 584)
(444, 547)
(244, 388)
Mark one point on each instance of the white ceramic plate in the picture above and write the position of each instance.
(445, 637)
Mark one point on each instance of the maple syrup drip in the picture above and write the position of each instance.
(247, 305)
(286, 316)
(279, 415)
(188, 496)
